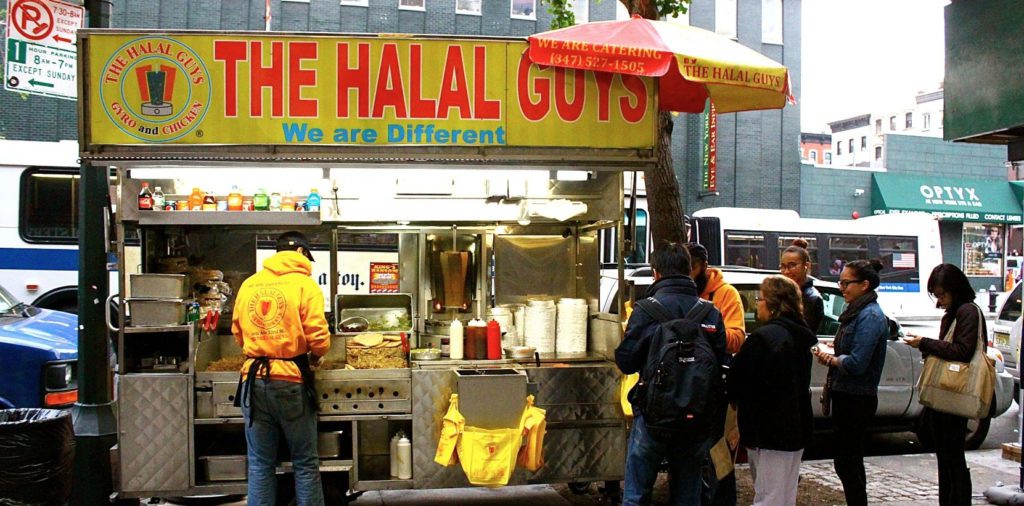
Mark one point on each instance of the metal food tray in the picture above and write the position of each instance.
(224, 467)
(156, 312)
(374, 307)
(159, 286)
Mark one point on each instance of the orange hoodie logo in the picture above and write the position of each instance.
(266, 308)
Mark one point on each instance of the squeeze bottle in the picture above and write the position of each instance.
(394, 454)
(493, 340)
(404, 458)
(455, 340)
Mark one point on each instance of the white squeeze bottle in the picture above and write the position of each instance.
(404, 458)
(455, 340)
(394, 453)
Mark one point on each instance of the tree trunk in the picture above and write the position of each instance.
(666, 220)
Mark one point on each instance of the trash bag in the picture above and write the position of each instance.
(36, 456)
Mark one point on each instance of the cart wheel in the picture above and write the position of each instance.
(579, 487)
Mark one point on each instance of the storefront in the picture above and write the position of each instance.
(976, 217)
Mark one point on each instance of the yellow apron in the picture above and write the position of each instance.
(535, 424)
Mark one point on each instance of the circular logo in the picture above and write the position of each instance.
(155, 89)
(266, 308)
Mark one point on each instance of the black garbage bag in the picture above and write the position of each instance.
(36, 456)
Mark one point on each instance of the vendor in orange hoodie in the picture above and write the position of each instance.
(279, 322)
(726, 299)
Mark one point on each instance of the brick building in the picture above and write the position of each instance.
(816, 148)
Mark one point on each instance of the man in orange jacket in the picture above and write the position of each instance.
(279, 322)
(726, 299)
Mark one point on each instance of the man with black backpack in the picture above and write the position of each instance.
(677, 344)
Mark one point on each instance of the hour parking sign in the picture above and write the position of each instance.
(41, 56)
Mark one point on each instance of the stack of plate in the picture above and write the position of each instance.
(540, 325)
(572, 326)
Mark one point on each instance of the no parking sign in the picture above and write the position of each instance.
(41, 56)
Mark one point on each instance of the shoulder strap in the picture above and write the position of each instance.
(699, 311)
(652, 307)
(711, 296)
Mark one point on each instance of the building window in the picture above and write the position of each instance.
(910, 120)
(356, 3)
(839, 148)
(878, 126)
(828, 158)
(412, 5)
(725, 17)
(851, 147)
(878, 152)
(892, 122)
(524, 9)
(771, 21)
(813, 155)
(470, 7)
(926, 121)
(863, 142)
(581, 11)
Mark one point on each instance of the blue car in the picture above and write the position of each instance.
(38, 356)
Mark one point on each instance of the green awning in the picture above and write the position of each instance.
(981, 200)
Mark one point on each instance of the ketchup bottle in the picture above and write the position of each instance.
(493, 340)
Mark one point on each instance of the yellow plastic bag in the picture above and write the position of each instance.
(627, 383)
(534, 424)
(488, 456)
(451, 427)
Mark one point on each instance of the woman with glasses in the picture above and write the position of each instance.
(855, 368)
(795, 265)
(963, 319)
(769, 381)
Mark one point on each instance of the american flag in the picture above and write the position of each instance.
(903, 260)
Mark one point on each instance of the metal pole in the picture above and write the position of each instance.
(93, 414)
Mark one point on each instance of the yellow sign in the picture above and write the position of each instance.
(292, 90)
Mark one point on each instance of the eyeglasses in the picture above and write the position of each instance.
(758, 298)
(789, 267)
(847, 282)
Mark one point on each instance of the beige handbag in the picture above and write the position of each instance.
(959, 388)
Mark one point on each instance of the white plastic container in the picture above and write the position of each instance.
(404, 459)
(455, 350)
(394, 454)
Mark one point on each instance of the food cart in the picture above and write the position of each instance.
(488, 178)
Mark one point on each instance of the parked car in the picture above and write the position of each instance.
(1001, 337)
(38, 356)
(898, 406)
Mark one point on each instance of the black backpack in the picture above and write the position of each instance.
(681, 391)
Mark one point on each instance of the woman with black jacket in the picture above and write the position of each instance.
(769, 381)
(795, 264)
(952, 291)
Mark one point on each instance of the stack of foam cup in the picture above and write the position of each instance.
(540, 325)
(572, 326)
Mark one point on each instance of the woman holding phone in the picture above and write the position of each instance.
(855, 368)
(952, 292)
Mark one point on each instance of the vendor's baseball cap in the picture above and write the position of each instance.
(291, 241)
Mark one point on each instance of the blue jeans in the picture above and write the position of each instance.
(276, 408)
(644, 456)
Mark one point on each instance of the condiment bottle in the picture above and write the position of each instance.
(394, 453)
(493, 340)
(287, 202)
(275, 201)
(260, 201)
(455, 343)
(209, 202)
(476, 340)
(159, 200)
(145, 198)
(195, 201)
(404, 458)
(234, 199)
(313, 201)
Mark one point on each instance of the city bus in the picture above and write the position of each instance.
(907, 244)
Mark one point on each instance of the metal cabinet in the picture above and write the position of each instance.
(155, 432)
